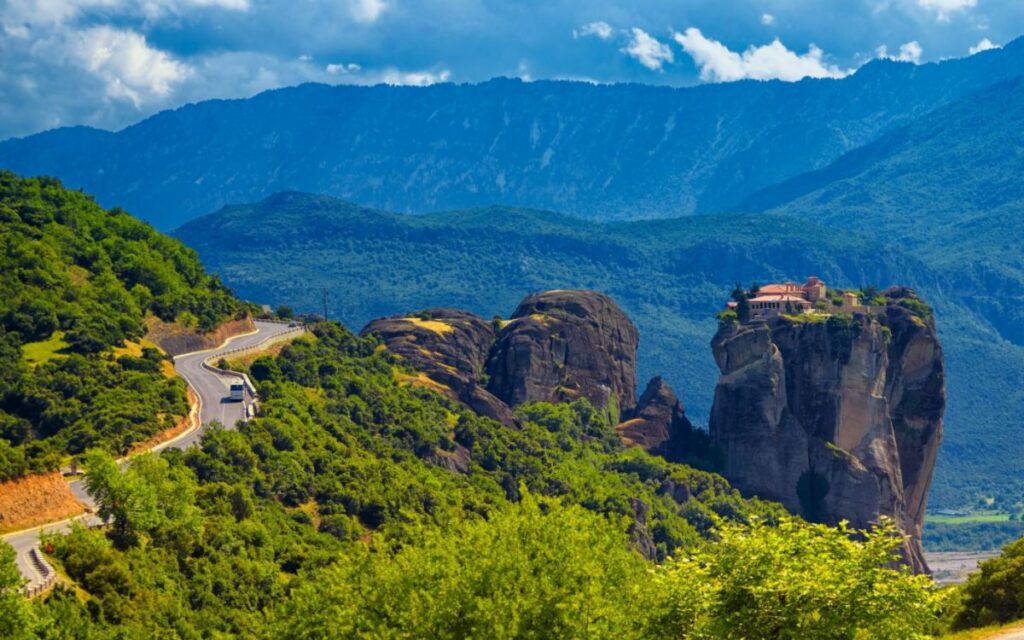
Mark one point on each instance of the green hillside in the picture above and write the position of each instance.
(670, 276)
(78, 282)
(359, 507)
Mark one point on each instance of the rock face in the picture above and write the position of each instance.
(658, 423)
(563, 345)
(838, 419)
(451, 347)
(558, 346)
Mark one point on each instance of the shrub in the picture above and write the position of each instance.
(995, 594)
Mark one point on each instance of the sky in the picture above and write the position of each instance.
(110, 63)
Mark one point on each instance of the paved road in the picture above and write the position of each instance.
(211, 388)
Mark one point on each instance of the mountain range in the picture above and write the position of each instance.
(605, 152)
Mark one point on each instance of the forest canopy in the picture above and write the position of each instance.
(78, 284)
(358, 506)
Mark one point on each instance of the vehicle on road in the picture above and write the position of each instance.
(237, 392)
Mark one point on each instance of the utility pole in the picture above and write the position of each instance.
(323, 295)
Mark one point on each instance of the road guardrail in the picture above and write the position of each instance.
(263, 344)
(44, 569)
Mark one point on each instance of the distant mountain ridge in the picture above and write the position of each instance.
(647, 152)
(946, 188)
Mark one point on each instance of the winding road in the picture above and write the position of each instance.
(211, 387)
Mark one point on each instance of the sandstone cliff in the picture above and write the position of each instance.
(558, 346)
(837, 419)
(451, 347)
(658, 423)
(563, 345)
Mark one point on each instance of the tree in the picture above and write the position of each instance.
(16, 617)
(995, 594)
(285, 312)
(792, 581)
(742, 299)
(150, 497)
(537, 571)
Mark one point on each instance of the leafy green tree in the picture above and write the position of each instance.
(995, 594)
(538, 570)
(149, 497)
(793, 580)
(16, 617)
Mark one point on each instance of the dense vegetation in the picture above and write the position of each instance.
(670, 276)
(984, 535)
(360, 507)
(995, 594)
(78, 283)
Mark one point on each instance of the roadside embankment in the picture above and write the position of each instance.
(35, 500)
(176, 339)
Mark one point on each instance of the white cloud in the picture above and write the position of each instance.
(367, 11)
(414, 78)
(234, 5)
(773, 61)
(943, 8)
(647, 50)
(338, 69)
(128, 66)
(305, 58)
(767, 19)
(523, 71)
(599, 29)
(18, 31)
(909, 52)
(984, 45)
(57, 12)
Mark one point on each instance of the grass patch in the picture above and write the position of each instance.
(812, 317)
(424, 381)
(436, 326)
(970, 518)
(36, 353)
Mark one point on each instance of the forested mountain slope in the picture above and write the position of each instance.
(335, 514)
(644, 152)
(78, 283)
(347, 506)
(670, 276)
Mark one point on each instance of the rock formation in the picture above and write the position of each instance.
(563, 345)
(658, 423)
(451, 347)
(557, 347)
(837, 419)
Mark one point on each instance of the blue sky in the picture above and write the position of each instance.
(109, 63)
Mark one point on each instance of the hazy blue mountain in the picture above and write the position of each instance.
(670, 276)
(600, 151)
